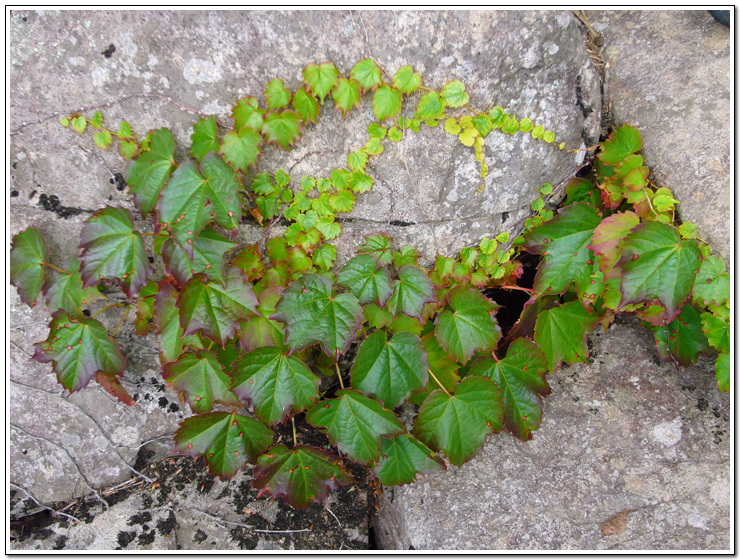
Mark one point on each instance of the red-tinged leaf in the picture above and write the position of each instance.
(241, 147)
(378, 244)
(563, 244)
(262, 331)
(712, 286)
(390, 369)
(208, 257)
(561, 333)
(111, 249)
(367, 74)
(246, 112)
(355, 424)
(276, 385)
(192, 199)
(147, 174)
(306, 105)
(28, 252)
(411, 292)
(623, 142)
(656, 264)
(321, 79)
(167, 320)
(282, 129)
(366, 279)
(682, 340)
(470, 326)
(112, 385)
(213, 308)
(78, 350)
(458, 424)
(201, 379)
(276, 94)
(248, 261)
(722, 371)
(387, 102)
(521, 377)
(441, 364)
(524, 327)
(227, 441)
(608, 240)
(63, 290)
(312, 314)
(302, 475)
(346, 95)
(406, 80)
(717, 330)
(403, 457)
(145, 308)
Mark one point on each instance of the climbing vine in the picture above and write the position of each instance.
(252, 335)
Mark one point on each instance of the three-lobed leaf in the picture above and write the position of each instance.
(403, 457)
(282, 129)
(209, 252)
(346, 95)
(411, 291)
(682, 340)
(386, 102)
(367, 74)
(561, 333)
(28, 253)
(241, 147)
(622, 143)
(406, 80)
(64, 290)
(276, 94)
(227, 441)
(302, 475)
(204, 138)
(201, 379)
(366, 279)
(170, 334)
(147, 174)
(320, 79)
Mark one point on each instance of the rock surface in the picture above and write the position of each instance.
(669, 75)
(144, 67)
(624, 434)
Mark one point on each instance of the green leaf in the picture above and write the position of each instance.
(454, 94)
(324, 256)
(306, 105)
(192, 199)
(407, 255)
(395, 134)
(722, 370)
(406, 80)
(227, 441)
(346, 95)
(367, 74)
(112, 249)
(343, 201)
(716, 329)
(623, 142)
(360, 183)
(298, 260)
(247, 113)
(28, 252)
(374, 130)
(561, 333)
(128, 150)
(483, 124)
(167, 320)
(276, 250)
(201, 379)
(403, 457)
(213, 308)
(248, 261)
(64, 121)
(302, 475)
(63, 290)
(329, 228)
(441, 365)
(320, 80)
(124, 132)
(657, 264)
(276, 385)
(386, 103)
(355, 424)
(357, 160)
(608, 240)
(282, 129)
(148, 173)
(259, 332)
(378, 244)
(276, 94)
(204, 138)
(470, 326)
(312, 314)
(79, 124)
(366, 279)
(431, 106)
(521, 377)
(208, 257)
(411, 291)
(712, 286)
(452, 126)
(458, 424)
(77, 350)
(563, 243)
(682, 340)
(390, 369)
(97, 120)
(241, 148)
(103, 139)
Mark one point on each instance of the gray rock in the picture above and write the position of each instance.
(669, 75)
(532, 63)
(624, 433)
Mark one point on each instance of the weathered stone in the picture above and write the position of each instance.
(532, 63)
(624, 432)
(188, 509)
(669, 75)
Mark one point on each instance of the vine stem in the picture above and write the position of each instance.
(339, 375)
(295, 441)
(119, 304)
(55, 268)
(438, 383)
(522, 288)
(120, 322)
